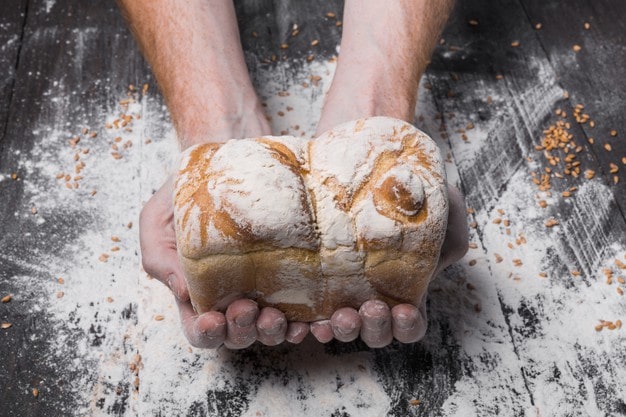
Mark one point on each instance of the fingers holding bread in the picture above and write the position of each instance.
(310, 227)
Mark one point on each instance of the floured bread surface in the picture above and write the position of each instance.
(311, 226)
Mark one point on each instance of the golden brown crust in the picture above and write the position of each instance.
(216, 280)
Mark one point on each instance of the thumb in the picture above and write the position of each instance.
(455, 244)
(162, 263)
(158, 242)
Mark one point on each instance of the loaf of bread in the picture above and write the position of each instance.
(308, 227)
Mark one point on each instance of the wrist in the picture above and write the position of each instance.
(220, 120)
(375, 90)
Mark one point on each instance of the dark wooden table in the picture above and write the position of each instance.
(529, 323)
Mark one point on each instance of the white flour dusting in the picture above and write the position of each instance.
(49, 5)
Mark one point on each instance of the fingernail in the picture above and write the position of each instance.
(343, 331)
(277, 326)
(273, 330)
(376, 323)
(405, 323)
(373, 308)
(244, 319)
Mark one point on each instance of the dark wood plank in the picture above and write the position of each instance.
(592, 76)
(506, 119)
(280, 30)
(12, 21)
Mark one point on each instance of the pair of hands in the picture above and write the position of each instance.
(243, 322)
(376, 75)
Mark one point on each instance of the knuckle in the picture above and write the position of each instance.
(147, 261)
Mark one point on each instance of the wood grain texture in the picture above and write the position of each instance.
(12, 22)
(501, 340)
(265, 25)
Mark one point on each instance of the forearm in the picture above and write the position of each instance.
(385, 49)
(194, 50)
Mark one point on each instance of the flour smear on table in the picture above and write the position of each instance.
(99, 296)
